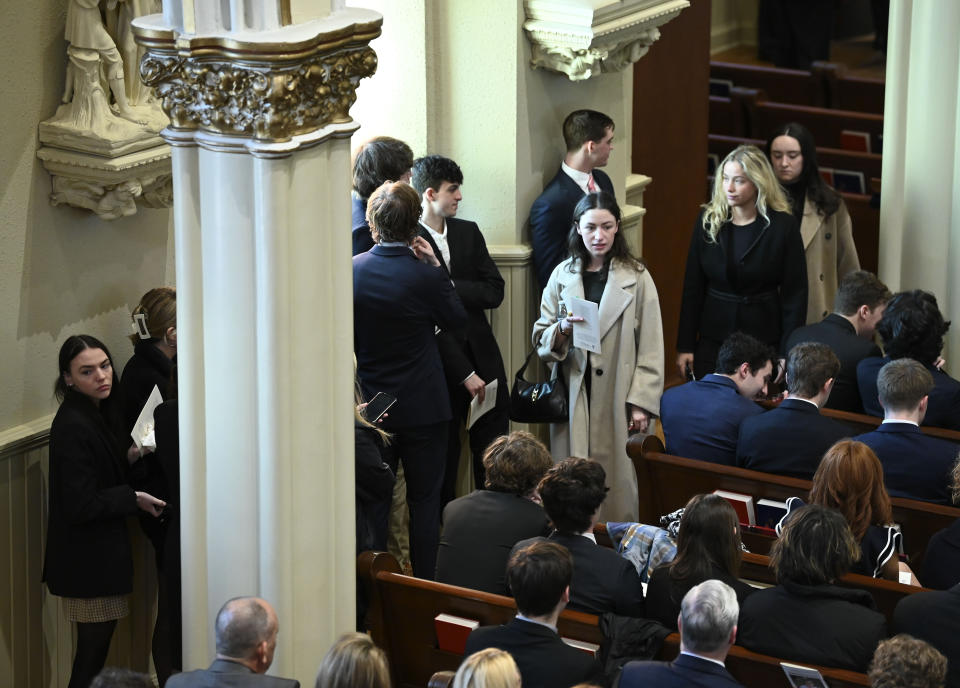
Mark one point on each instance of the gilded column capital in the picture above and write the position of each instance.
(282, 90)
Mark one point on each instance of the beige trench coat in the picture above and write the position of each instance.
(831, 254)
(629, 369)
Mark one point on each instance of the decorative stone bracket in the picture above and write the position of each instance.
(583, 38)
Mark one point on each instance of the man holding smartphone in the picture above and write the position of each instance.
(471, 357)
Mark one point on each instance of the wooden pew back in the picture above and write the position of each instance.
(824, 124)
(782, 85)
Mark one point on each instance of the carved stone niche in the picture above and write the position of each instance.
(103, 146)
(583, 38)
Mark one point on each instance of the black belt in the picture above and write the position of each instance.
(743, 298)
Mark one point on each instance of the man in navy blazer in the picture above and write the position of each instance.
(701, 419)
(849, 330)
(915, 465)
(471, 358)
(792, 438)
(588, 135)
(708, 629)
(401, 295)
(539, 577)
(381, 159)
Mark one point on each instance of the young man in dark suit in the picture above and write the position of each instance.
(539, 576)
(849, 330)
(915, 465)
(471, 357)
(401, 295)
(588, 135)
(701, 419)
(792, 438)
(603, 581)
(246, 634)
(381, 159)
(708, 629)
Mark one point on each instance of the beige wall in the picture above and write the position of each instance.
(62, 271)
(732, 23)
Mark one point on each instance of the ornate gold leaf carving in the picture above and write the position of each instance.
(266, 101)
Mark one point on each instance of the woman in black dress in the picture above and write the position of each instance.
(88, 561)
(746, 269)
(708, 546)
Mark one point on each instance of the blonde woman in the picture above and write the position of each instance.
(490, 668)
(354, 661)
(746, 269)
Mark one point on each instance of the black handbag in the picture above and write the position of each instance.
(538, 402)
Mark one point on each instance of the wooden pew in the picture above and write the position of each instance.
(866, 229)
(871, 164)
(402, 609)
(846, 92)
(826, 125)
(782, 85)
(667, 482)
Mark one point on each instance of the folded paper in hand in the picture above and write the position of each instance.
(479, 408)
(142, 432)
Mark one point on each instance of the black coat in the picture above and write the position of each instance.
(147, 367)
(479, 530)
(818, 624)
(664, 594)
(941, 560)
(788, 440)
(839, 334)
(934, 617)
(88, 549)
(543, 659)
(374, 488)
(551, 217)
(763, 294)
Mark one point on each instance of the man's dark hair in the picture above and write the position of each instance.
(572, 491)
(117, 677)
(816, 547)
(516, 463)
(379, 160)
(741, 348)
(809, 366)
(860, 288)
(242, 624)
(537, 575)
(901, 384)
(393, 212)
(913, 327)
(431, 171)
(581, 126)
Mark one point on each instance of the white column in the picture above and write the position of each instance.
(920, 196)
(262, 207)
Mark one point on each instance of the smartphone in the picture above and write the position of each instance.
(378, 406)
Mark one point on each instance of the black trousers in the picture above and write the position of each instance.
(422, 449)
(488, 427)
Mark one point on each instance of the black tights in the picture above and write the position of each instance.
(93, 643)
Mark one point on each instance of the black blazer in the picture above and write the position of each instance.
(764, 294)
(839, 334)
(362, 241)
(943, 408)
(480, 287)
(397, 304)
(603, 581)
(934, 617)
(551, 217)
(226, 674)
(820, 624)
(146, 368)
(941, 560)
(479, 530)
(88, 550)
(544, 660)
(915, 465)
(788, 440)
(684, 671)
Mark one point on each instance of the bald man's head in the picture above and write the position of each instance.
(246, 630)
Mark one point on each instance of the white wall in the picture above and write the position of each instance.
(62, 271)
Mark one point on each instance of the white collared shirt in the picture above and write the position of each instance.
(590, 536)
(705, 659)
(900, 420)
(581, 178)
(441, 241)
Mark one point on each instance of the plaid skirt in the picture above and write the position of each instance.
(95, 609)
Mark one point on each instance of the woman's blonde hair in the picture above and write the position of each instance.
(354, 662)
(159, 310)
(490, 668)
(756, 168)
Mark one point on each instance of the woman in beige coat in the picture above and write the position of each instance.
(824, 221)
(616, 392)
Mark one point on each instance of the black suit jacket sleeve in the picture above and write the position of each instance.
(478, 283)
(545, 218)
(628, 594)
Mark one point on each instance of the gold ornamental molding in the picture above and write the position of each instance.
(261, 93)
